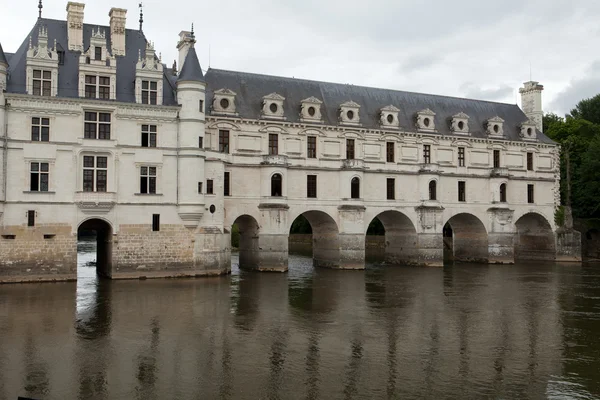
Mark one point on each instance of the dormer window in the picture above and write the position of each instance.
(224, 101)
(42, 82)
(149, 77)
(528, 130)
(42, 66)
(149, 92)
(494, 126)
(310, 110)
(425, 120)
(98, 53)
(460, 123)
(389, 117)
(97, 87)
(349, 113)
(273, 106)
(97, 69)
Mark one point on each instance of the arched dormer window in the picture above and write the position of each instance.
(503, 193)
(355, 188)
(276, 185)
(433, 190)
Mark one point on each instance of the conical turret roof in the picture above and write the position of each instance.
(3, 59)
(191, 70)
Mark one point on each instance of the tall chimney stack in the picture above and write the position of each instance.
(531, 102)
(118, 17)
(75, 25)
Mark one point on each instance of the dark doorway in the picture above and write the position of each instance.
(94, 242)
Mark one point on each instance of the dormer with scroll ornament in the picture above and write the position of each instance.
(495, 127)
(310, 110)
(224, 102)
(425, 120)
(528, 130)
(389, 117)
(42, 66)
(272, 106)
(349, 113)
(97, 69)
(460, 124)
(149, 77)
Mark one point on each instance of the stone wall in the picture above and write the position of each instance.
(41, 253)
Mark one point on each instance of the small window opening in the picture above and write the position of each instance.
(155, 222)
(31, 218)
(355, 188)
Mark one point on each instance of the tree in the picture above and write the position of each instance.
(588, 109)
(550, 119)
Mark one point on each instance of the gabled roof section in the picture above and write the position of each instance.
(191, 70)
(3, 59)
(252, 87)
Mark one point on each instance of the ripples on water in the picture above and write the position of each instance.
(468, 331)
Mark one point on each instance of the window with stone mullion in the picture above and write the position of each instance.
(148, 180)
(42, 82)
(148, 135)
(40, 129)
(95, 173)
(149, 92)
(39, 177)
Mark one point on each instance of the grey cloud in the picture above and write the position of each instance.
(580, 88)
(500, 93)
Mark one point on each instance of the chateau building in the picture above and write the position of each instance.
(98, 134)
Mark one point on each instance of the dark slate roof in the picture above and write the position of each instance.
(250, 89)
(191, 70)
(9, 56)
(2, 56)
(68, 72)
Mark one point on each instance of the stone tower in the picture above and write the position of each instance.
(531, 102)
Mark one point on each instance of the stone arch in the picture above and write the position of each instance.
(103, 231)
(534, 238)
(325, 238)
(401, 240)
(249, 249)
(465, 239)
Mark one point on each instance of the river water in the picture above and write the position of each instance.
(461, 332)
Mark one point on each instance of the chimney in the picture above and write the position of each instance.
(186, 41)
(531, 102)
(118, 17)
(75, 25)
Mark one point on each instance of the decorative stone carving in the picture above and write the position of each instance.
(528, 130)
(425, 120)
(349, 113)
(310, 110)
(494, 127)
(460, 123)
(224, 102)
(273, 106)
(389, 117)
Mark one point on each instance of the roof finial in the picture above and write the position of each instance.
(192, 33)
(141, 15)
(40, 6)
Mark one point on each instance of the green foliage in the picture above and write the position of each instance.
(588, 109)
(235, 236)
(559, 216)
(376, 228)
(550, 119)
(301, 225)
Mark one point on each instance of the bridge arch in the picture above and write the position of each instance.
(534, 238)
(325, 238)
(401, 240)
(248, 233)
(465, 239)
(102, 231)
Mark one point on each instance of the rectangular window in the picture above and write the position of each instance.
(223, 141)
(31, 218)
(98, 53)
(97, 87)
(95, 171)
(200, 142)
(529, 161)
(273, 144)
(97, 125)
(311, 186)
(149, 92)
(226, 191)
(462, 194)
(496, 158)
(199, 187)
(391, 188)
(461, 156)
(40, 129)
(530, 198)
(389, 147)
(38, 178)
(427, 154)
(349, 149)
(104, 87)
(90, 86)
(311, 147)
(209, 186)
(155, 222)
(201, 106)
(148, 135)
(42, 82)
(148, 180)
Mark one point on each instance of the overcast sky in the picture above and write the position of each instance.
(466, 48)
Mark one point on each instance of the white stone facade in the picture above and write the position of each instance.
(171, 159)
